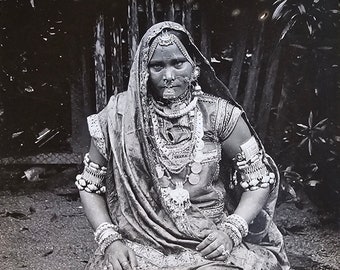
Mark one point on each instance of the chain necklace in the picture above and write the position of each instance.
(175, 157)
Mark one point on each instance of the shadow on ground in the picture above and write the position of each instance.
(43, 226)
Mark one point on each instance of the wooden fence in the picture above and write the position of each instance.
(248, 70)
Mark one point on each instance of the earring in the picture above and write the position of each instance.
(197, 88)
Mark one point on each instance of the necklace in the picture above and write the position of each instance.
(173, 158)
(180, 111)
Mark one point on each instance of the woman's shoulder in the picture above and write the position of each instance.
(216, 104)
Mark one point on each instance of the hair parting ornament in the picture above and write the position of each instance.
(165, 39)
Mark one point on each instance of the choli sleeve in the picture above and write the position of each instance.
(97, 125)
(226, 118)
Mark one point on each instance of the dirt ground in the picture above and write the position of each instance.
(42, 226)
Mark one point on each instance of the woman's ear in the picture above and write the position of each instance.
(196, 72)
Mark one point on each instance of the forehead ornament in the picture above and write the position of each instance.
(166, 39)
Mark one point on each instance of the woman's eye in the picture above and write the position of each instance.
(179, 64)
(156, 67)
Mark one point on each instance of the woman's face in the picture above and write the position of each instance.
(169, 72)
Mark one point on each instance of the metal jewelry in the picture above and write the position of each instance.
(92, 178)
(250, 165)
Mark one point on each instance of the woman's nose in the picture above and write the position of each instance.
(168, 74)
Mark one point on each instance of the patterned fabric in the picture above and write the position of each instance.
(134, 198)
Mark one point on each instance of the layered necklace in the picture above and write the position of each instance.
(175, 157)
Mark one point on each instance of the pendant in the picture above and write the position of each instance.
(179, 195)
(196, 167)
(194, 179)
(159, 171)
(200, 144)
(169, 93)
(198, 156)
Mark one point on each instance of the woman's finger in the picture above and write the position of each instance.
(210, 248)
(132, 259)
(125, 265)
(115, 265)
(206, 242)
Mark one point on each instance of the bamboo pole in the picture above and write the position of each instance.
(100, 64)
(205, 30)
(133, 29)
(116, 57)
(253, 73)
(171, 10)
(239, 54)
(150, 12)
(186, 15)
(268, 92)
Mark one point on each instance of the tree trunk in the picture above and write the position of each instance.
(100, 64)
(133, 29)
(253, 73)
(239, 53)
(268, 92)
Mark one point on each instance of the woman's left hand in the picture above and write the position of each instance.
(216, 245)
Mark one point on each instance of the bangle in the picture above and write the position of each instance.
(239, 222)
(105, 234)
(92, 178)
(232, 232)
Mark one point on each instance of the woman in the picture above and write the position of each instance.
(155, 186)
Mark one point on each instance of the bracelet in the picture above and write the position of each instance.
(102, 228)
(108, 241)
(92, 178)
(232, 232)
(239, 222)
(250, 165)
(105, 234)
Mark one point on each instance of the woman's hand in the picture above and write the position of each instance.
(119, 257)
(216, 245)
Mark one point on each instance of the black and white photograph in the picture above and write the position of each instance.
(169, 134)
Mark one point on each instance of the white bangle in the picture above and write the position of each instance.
(105, 234)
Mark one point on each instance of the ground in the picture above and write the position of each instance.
(42, 226)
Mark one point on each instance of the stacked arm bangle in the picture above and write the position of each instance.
(236, 228)
(106, 234)
(92, 178)
(250, 165)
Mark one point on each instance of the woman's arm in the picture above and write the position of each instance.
(94, 204)
(219, 243)
(117, 255)
(251, 202)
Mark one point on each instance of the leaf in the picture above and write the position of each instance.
(277, 14)
(310, 147)
(310, 28)
(302, 142)
(321, 122)
(313, 183)
(17, 215)
(310, 119)
(289, 26)
(302, 9)
(302, 126)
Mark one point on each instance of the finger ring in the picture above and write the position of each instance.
(125, 264)
(211, 237)
(224, 252)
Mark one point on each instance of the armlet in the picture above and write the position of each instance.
(250, 167)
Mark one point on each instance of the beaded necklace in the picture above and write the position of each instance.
(173, 158)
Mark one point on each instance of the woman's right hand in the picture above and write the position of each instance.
(119, 257)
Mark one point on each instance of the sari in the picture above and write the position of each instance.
(162, 237)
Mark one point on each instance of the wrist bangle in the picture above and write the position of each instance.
(239, 222)
(105, 234)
